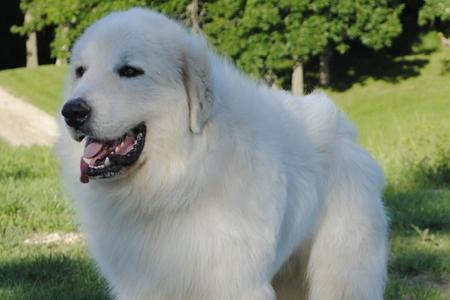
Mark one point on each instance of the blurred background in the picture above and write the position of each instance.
(329, 43)
(385, 62)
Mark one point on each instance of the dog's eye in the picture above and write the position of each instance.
(79, 71)
(129, 71)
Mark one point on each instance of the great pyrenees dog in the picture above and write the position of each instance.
(192, 181)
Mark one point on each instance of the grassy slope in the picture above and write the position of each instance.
(405, 125)
(41, 86)
(392, 118)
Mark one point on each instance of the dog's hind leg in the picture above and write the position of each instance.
(349, 251)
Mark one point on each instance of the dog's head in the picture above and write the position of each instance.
(135, 77)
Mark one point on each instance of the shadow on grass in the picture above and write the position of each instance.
(423, 197)
(408, 55)
(51, 277)
(378, 66)
(422, 258)
(425, 208)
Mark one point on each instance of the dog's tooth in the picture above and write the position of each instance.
(87, 160)
(107, 162)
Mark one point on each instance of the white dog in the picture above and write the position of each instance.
(198, 183)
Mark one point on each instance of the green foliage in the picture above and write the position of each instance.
(267, 37)
(71, 17)
(264, 37)
(434, 10)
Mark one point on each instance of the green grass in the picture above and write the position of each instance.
(395, 119)
(41, 86)
(32, 202)
(403, 123)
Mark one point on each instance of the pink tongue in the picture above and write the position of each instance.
(84, 178)
(92, 149)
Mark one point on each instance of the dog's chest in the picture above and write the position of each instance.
(163, 255)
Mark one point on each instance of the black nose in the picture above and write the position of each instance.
(76, 112)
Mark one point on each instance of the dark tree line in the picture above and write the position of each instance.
(270, 39)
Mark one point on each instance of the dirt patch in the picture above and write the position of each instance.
(24, 124)
(58, 238)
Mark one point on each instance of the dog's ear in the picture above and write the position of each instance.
(197, 81)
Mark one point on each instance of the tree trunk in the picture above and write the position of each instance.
(31, 46)
(193, 10)
(64, 31)
(324, 67)
(297, 79)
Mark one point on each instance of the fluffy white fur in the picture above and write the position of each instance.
(241, 192)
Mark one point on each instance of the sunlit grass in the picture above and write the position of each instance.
(41, 86)
(31, 201)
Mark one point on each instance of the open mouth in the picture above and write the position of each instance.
(106, 159)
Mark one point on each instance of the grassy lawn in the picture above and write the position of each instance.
(405, 124)
(41, 86)
(397, 118)
(32, 202)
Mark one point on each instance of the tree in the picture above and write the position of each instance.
(436, 13)
(71, 17)
(273, 39)
(31, 45)
(263, 37)
(297, 84)
(193, 12)
(372, 22)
